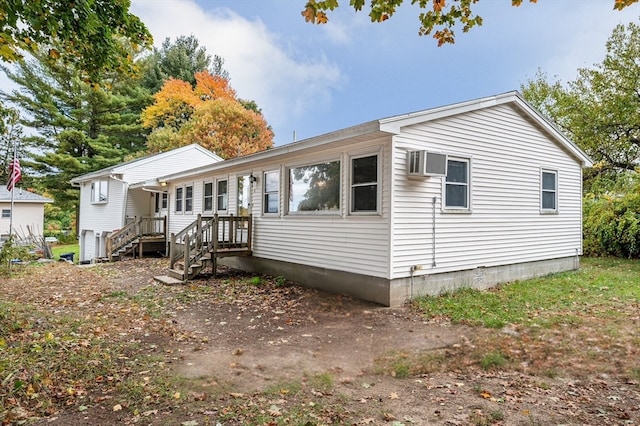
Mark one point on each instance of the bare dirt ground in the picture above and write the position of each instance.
(237, 343)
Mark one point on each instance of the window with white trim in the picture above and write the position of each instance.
(456, 192)
(179, 198)
(364, 184)
(222, 194)
(271, 199)
(6, 213)
(549, 191)
(207, 201)
(315, 188)
(188, 198)
(99, 191)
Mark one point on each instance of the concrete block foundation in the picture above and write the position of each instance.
(395, 292)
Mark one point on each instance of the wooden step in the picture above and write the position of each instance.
(177, 274)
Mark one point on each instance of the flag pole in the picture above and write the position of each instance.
(13, 187)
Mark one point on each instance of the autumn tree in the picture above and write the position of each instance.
(209, 114)
(89, 35)
(437, 16)
(181, 60)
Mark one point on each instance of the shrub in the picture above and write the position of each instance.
(612, 220)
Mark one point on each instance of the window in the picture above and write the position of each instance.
(99, 191)
(271, 192)
(179, 200)
(315, 188)
(549, 191)
(221, 195)
(6, 213)
(364, 184)
(188, 198)
(244, 195)
(456, 194)
(208, 197)
(165, 201)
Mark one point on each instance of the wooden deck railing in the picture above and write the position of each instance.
(213, 235)
(138, 228)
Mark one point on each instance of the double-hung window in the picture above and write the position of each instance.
(6, 213)
(207, 201)
(222, 190)
(179, 198)
(188, 198)
(364, 184)
(99, 191)
(456, 192)
(549, 191)
(271, 201)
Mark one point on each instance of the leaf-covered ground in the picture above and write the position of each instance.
(108, 345)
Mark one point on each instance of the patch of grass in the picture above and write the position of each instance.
(280, 281)
(493, 360)
(255, 281)
(284, 388)
(597, 289)
(59, 249)
(402, 365)
(322, 382)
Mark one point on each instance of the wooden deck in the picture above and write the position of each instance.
(200, 244)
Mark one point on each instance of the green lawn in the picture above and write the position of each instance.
(599, 285)
(59, 249)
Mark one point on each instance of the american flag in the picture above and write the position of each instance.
(15, 173)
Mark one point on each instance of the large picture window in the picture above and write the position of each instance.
(99, 191)
(222, 194)
(271, 192)
(549, 191)
(364, 184)
(315, 188)
(456, 194)
(207, 198)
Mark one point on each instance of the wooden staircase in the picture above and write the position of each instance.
(198, 246)
(137, 236)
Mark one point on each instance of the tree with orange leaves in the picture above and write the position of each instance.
(208, 114)
(434, 15)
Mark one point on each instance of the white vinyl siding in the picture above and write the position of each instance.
(505, 225)
(356, 244)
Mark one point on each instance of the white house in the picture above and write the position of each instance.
(466, 195)
(28, 212)
(112, 197)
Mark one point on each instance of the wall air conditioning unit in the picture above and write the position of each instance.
(425, 163)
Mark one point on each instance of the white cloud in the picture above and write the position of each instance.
(284, 83)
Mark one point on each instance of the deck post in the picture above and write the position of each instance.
(172, 250)
(215, 237)
(187, 256)
(232, 230)
(249, 231)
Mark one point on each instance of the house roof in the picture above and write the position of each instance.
(393, 125)
(123, 167)
(22, 196)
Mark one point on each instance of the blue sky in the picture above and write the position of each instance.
(316, 79)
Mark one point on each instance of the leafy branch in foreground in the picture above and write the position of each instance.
(434, 14)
